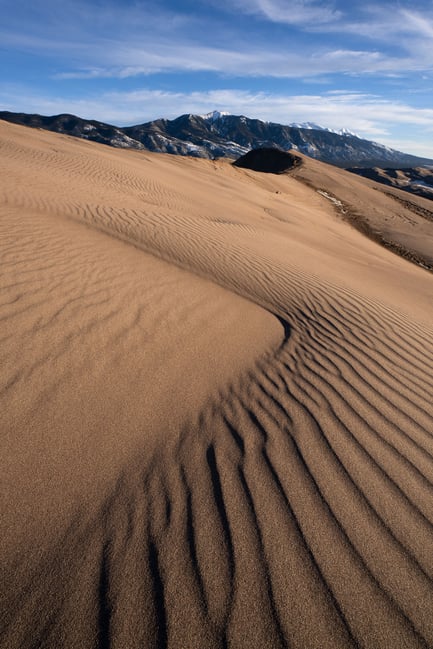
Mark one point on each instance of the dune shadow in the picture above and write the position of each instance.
(158, 593)
(104, 614)
(286, 328)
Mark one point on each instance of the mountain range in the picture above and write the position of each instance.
(218, 134)
(418, 180)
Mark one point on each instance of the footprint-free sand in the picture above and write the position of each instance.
(215, 405)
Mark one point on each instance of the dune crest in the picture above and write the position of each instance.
(215, 409)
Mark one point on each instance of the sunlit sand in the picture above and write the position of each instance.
(216, 405)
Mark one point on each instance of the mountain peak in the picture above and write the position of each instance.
(214, 115)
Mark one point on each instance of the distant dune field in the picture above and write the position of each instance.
(215, 404)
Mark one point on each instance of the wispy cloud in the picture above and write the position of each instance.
(418, 23)
(291, 12)
(135, 60)
(386, 24)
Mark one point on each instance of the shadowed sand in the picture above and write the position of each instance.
(215, 406)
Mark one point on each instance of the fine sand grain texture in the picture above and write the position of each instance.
(215, 406)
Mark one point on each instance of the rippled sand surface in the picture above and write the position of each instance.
(215, 406)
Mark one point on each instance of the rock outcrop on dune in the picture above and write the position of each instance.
(215, 406)
(268, 160)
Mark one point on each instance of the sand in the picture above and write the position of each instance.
(215, 405)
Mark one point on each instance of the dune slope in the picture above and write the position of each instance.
(216, 419)
(401, 222)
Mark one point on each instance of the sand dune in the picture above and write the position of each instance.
(403, 223)
(215, 406)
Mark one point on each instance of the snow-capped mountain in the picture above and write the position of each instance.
(220, 134)
(214, 115)
(224, 135)
(317, 127)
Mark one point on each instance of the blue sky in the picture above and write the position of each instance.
(366, 66)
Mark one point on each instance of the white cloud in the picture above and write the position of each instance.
(291, 12)
(414, 22)
(386, 24)
(153, 58)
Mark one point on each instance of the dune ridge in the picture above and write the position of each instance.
(242, 462)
